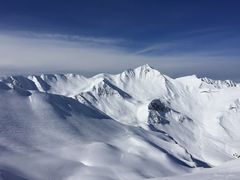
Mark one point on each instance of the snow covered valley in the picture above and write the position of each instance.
(139, 124)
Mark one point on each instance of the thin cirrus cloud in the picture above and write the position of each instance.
(206, 41)
(28, 52)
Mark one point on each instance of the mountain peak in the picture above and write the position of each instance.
(146, 67)
(144, 71)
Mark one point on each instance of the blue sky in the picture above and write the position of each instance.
(177, 37)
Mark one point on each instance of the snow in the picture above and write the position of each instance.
(138, 124)
(58, 138)
(228, 171)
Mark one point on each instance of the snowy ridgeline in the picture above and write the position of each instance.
(139, 124)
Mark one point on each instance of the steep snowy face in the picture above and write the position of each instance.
(143, 83)
(125, 96)
(202, 120)
(19, 81)
(218, 83)
(64, 84)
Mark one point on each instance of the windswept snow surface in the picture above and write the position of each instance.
(139, 124)
(227, 171)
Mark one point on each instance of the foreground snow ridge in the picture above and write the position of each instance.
(139, 124)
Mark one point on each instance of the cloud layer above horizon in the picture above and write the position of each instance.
(25, 52)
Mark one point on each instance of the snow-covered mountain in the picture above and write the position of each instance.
(138, 124)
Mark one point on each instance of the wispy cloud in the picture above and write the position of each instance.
(201, 42)
(32, 53)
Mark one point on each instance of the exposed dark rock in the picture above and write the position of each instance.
(22, 91)
(3, 86)
(158, 105)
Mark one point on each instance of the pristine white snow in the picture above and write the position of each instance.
(139, 124)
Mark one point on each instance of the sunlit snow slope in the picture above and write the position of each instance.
(139, 124)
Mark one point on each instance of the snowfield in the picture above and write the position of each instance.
(139, 124)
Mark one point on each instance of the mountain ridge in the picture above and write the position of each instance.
(40, 82)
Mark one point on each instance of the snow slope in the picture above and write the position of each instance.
(134, 125)
(228, 171)
(56, 137)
